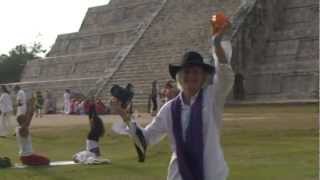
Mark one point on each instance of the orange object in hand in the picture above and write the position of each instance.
(219, 19)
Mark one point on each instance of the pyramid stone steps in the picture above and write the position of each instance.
(297, 31)
(299, 3)
(301, 65)
(72, 44)
(67, 67)
(289, 65)
(104, 17)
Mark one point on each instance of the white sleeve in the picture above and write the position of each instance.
(154, 131)
(19, 99)
(1, 102)
(19, 96)
(224, 76)
(1, 99)
(227, 47)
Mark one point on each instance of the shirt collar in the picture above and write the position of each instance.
(193, 99)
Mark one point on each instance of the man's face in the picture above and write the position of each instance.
(170, 92)
(167, 91)
(193, 77)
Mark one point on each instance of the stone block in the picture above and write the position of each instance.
(263, 84)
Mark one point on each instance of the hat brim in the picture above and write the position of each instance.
(174, 69)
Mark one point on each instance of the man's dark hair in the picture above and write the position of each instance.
(125, 95)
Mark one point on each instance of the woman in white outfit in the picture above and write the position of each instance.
(67, 99)
(21, 101)
(192, 121)
(6, 109)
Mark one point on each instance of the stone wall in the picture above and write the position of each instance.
(278, 51)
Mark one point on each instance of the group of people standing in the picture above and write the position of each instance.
(8, 107)
(25, 109)
(80, 105)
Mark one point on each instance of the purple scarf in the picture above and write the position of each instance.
(190, 151)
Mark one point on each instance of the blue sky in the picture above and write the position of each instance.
(23, 22)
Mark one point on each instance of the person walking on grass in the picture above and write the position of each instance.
(67, 101)
(39, 102)
(6, 109)
(192, 120)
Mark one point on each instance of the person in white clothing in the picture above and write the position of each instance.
(67, 98)
(21, 101)
(27, 156)
(6, 109)
(192, 120)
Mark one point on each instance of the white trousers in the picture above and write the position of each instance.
(67, 107)
(5, 124)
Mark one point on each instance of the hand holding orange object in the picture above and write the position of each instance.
(220, 23)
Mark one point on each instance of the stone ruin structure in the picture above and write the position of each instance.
(275, 43)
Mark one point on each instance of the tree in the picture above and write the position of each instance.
(12, 65)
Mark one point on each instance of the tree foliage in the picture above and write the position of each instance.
(12, 65)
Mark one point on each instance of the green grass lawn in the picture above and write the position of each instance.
(260, 143)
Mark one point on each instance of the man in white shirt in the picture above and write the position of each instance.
(193, 120)
(67, 104)
(6, 109)
(21, 101)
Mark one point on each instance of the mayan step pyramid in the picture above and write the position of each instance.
(133, 41)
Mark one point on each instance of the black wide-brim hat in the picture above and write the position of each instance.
(190, 58)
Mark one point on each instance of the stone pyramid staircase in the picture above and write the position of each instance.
(289, 66)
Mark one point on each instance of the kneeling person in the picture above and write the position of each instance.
(92, 153)
(27, 156)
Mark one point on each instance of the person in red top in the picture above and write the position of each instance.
(86, 106)
(100, 107)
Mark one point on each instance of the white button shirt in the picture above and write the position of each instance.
(22, 100)
(24, 143)
(214, 96)
(5, 103)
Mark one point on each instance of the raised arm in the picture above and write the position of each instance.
(222, 53)
(143, 137)
(29, 113)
